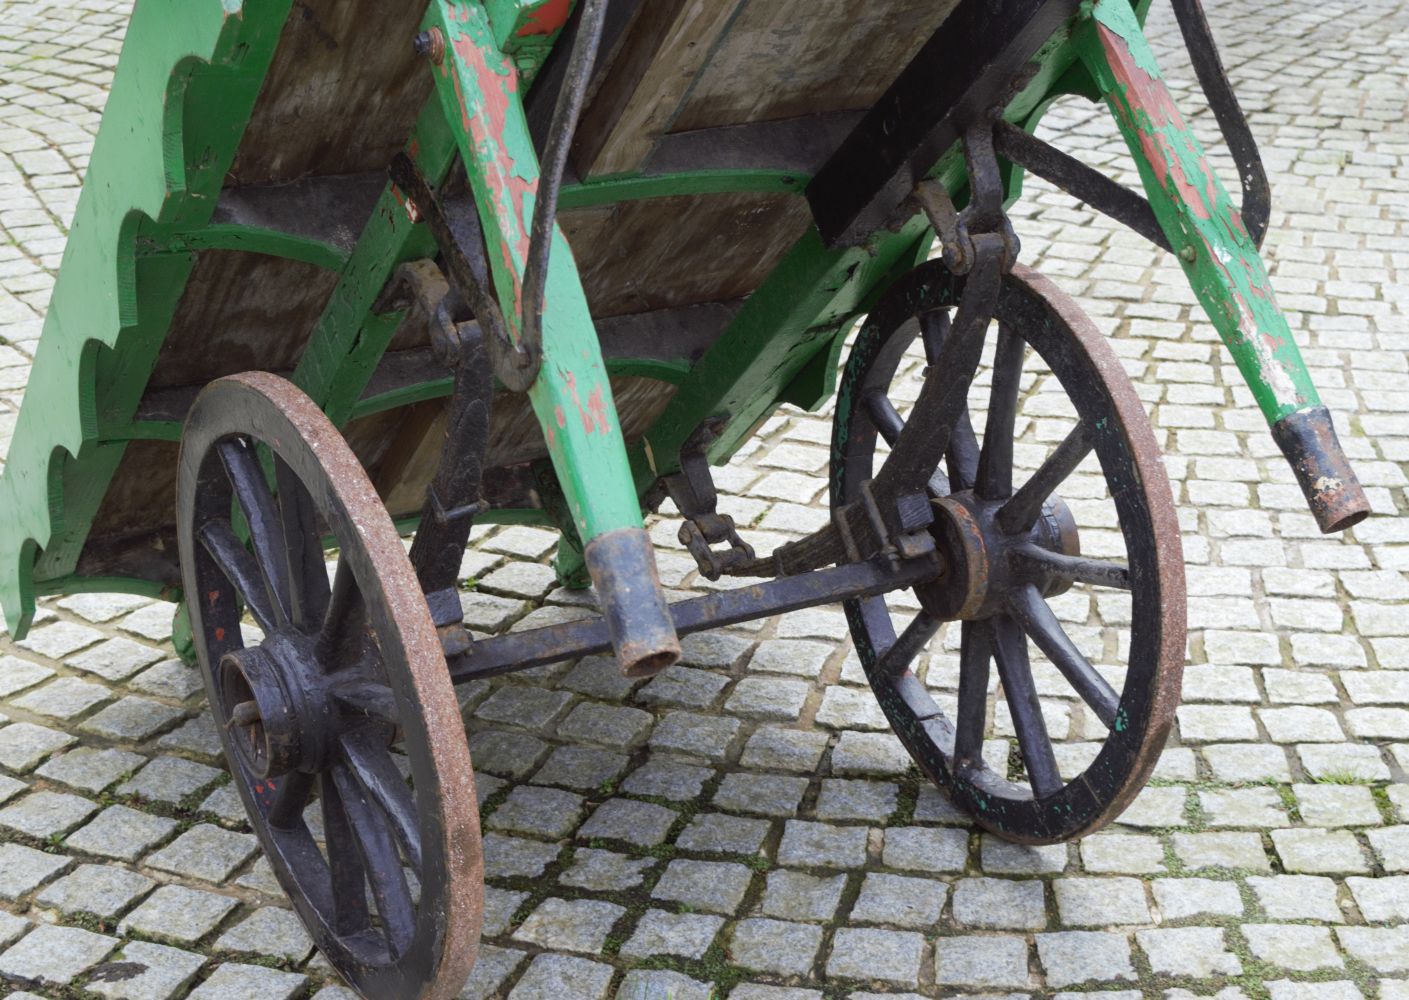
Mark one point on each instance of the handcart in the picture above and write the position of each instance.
(344, 270)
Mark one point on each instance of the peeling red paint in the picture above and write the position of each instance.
(1150, 97)
(219, 634)
(548, 18)
(594, 414)
(509, 191)
(597, 407)
(562, 417)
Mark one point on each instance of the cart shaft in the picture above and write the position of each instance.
(1221, 260)
(479, 89)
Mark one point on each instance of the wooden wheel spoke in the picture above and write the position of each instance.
(349, 876)
(380, 859)
(339, 637)
(1038, 621)
(934, 331)
(307, 572)
(246, 477)
(963, 456)
(371, 764)
(1014, 670)
(994, 480)
(240, 568)
(902, 653)
(972, 717)
(884, 415)
(1035, 562)
(289, 800)
(963, 452)
(1021, 512)
(370, 698)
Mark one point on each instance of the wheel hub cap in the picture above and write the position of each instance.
(980, 573)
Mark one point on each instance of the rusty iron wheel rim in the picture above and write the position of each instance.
(421, 948)
(1054, 328)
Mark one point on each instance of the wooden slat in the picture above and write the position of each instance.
(666, 252)
(666, 44)
(785, 58)
(342, 94)
(239, 312)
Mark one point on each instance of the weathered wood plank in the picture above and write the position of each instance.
(666, 44)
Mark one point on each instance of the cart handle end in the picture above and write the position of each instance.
(1308, 440)
(623, 568)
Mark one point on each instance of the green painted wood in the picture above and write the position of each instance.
(480, 94)
(527, 29)
(184, 88)
(348, 341)
(249, 239)
(153, 164)
(1196, 213)
(610, 190)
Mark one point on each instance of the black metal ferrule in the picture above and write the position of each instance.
(623, 568)
(1308, 440)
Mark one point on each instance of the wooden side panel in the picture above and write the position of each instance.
(664, 252)
(785, 58)
(241, 311)
(665, 46)
(342, 94)
(134, 532)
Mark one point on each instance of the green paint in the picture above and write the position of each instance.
(348, 341)
(527, 29)
(180, 99)
(249, 239)
(610, 190)
(783, 326)
(1197, 214)
(572, 398)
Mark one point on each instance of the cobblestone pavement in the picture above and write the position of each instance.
(745, 823)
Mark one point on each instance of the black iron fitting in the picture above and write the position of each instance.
(693, 492)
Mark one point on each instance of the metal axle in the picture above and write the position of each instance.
(517, 651)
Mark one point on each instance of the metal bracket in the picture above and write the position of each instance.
(460, 237)
(692, 489)
(420, 285)
(982, 217)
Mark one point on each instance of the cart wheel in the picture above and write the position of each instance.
(1008, 551)
(345, 692)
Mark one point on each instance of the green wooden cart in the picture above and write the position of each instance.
(343, 270)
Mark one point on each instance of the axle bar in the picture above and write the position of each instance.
(516, 651)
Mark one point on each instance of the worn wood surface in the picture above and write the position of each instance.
(644, 255)
(341, 97)
(342, 94)
(241, 312)
(785, 58)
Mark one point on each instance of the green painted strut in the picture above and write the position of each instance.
(1196, 213)
(479, 91)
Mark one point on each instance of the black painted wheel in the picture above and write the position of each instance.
(346, 692)
(1012, 550)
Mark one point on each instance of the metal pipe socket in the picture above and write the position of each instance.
(1308, 440)
(623, 568)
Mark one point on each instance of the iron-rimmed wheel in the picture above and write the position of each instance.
(1010, 547)
(344, 673)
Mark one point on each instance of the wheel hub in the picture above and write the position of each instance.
(279, 708)
(980, 574)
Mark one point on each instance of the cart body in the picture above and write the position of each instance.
(238, 216)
